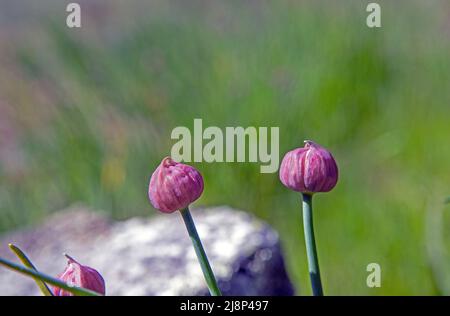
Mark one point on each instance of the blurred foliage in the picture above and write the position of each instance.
(86, 115)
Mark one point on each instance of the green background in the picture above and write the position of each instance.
(86, 115)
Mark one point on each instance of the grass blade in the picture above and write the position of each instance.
(48, 279)
(27, 263)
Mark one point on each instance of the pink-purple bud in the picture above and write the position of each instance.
(173, 186)
(81, 276)
(309, 169)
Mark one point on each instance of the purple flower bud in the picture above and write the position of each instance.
(81, 276)
(309, 169)
(173, 186)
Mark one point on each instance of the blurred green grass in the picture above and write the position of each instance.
(88, 114)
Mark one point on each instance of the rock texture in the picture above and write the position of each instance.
(154, 256)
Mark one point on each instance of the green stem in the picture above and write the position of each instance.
(311, 251)
(201, 255)
(48, 279)
(27, 263)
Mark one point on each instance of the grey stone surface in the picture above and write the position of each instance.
(154, 256)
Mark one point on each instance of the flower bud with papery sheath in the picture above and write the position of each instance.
(309, 169)
(82, 276)
(173, 186)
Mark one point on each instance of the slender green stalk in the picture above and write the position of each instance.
(27, 263)
(48, 279)
(311, 251)
(201, 255)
